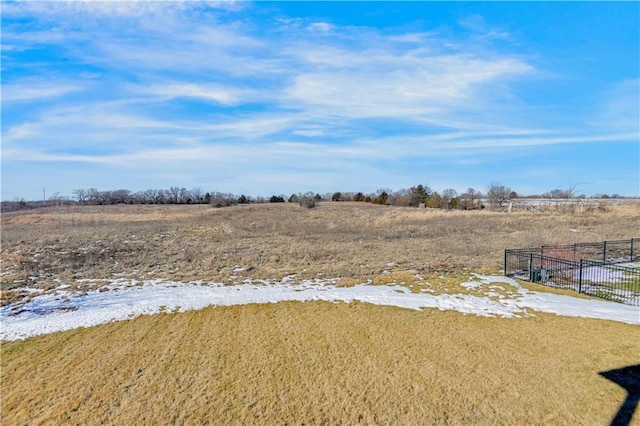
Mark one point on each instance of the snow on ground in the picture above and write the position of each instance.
(122, 299)
(606, 273)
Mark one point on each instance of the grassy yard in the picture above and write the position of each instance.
(320, 363)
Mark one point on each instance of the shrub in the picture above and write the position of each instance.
(381, 199)
(359, 197)
(219, 199)
(308, 202)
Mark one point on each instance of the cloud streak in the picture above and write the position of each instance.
(33, 92)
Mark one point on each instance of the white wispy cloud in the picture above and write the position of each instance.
(477, 25)
(377, 77)
(321, 26)
(211, 92)
(114, 8)
(35, 91)
(411, 89)
(25, 40)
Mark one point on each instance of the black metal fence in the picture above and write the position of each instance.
(608, 269)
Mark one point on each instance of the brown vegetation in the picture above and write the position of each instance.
(320, 363)
(44, 247)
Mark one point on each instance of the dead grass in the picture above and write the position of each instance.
(320, 363)
(353, 241)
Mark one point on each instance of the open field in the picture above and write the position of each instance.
(355, 241)
(311, 362)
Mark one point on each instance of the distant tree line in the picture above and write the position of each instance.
(497, 196)
(416, 196)
(173, 195)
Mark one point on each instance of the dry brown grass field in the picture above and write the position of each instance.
(312, 362)
(351, 240)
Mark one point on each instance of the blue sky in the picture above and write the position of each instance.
(268, 98)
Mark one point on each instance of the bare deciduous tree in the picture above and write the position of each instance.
(449, 198)
(197, 194)
(81, 195)
(470, 199)
(498, 195)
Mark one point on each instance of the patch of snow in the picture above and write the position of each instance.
(601, 273)
(635, 265)
(472, 284)
(65, 310)
(27, 290)
(493, 294)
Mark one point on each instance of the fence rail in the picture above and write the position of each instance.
(605, 269)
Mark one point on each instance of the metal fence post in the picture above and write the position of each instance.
(505, 263)
(631, 252)
(580, 278)
(604, 252)
(531, 267)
